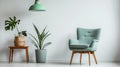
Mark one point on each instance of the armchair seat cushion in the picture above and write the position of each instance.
(79, 46)
(86, 49)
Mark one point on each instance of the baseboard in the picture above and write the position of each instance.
(60, 61)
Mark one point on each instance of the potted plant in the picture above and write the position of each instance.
(38, 42)
(11, 24)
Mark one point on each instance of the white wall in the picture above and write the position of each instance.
(62, 17)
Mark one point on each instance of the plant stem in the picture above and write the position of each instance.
(40, 46)
(17, 30)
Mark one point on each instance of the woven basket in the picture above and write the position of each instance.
(19, 41)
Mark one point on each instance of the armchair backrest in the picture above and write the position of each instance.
(87, 35)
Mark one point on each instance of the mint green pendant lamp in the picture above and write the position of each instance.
(37, 6)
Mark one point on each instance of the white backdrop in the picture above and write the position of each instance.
(62, 17)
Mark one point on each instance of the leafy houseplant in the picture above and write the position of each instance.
(39, 44)
(11, 24)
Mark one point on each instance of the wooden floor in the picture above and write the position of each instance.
(58, 64)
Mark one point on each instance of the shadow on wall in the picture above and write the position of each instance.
(61, 52)
(117, 58)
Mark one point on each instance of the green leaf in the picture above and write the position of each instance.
(34, 38)
(42, 34)
(38, 35)
(18, 21)
(7, 21)
(35, 44)
(12, 28)
(14, 18)
(46, 44)
(7, 28)
(24, 33)
(45, 37)
(11, 19)
(11, 23)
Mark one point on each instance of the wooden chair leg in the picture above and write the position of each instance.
(89, 58)
(80, 57)
(94, 57)
(72, 57)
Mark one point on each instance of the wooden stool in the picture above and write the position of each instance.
(16, 47)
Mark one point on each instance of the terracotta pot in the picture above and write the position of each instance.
(19, 41)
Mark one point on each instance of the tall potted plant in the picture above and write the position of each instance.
(38, 42)
(11, 24)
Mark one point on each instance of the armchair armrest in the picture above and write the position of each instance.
(94, 44)
(95, 40)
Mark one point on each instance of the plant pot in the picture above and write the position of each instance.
(19, 41)
(40, 55)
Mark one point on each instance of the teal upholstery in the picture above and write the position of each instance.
(87, 40)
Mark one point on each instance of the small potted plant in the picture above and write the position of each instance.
(38, 42)
(11, 24)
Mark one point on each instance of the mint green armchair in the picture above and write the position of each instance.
(86, 42)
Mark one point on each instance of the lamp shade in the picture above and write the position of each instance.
(37, 6)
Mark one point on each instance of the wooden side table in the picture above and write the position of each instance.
(16, 47)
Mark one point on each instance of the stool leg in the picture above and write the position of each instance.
(27, 56)
(10, 55)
